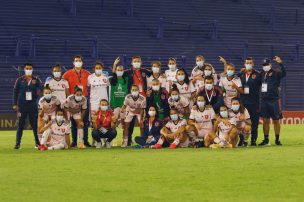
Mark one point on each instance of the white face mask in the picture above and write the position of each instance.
(230, 72)
(59, 118)
(224, 114)
(119, 73)
(181, 77)
(235, 107)
(152, 113)
(134, 93)
(155, 70)
(57, 74)
(136, 65)
(207, 72)
(78, 64)
(98, 71)
(248, 67)
(174, 117)
(200, 63)
(200, 104)
(28, 72)
(172, 67)
(208, 86)
(175, 97)
(155, 88)
(48, 96)
(78, 98)
(104, 108)
(266, 68)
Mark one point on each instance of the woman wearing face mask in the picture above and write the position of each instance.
(173, 133)
(158, 96)
(171, 73)
(118, 91)
(156, 74)
(55, 133)
(58, 85)
(104, 125)
(179, 102)
(151, 129)
(208, 71)
(242, 118)
(133, 107)
(200, 122)
(213, 94)
(225, 134)
(76, 105)
(231, 85)
(98, 83)
(185, 87)
(47, 107)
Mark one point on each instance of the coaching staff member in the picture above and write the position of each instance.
(79, 77)
(27, 90)
(270, 106)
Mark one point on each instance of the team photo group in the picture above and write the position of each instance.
(171, 107)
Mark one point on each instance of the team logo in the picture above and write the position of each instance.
(156, 124)
(143, 74)
(34, 81)
(206, 116)
(104, 80)
(62, 85)
(62, 130)
(253, 76)
(186, 88)
(163, 97)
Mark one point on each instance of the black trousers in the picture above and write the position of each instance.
(85, 128)
(33, 118)
(253, 110)
(110, 135)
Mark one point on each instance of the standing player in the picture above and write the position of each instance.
(156, 74)
(76, 105)
(270, 107)
(184, 85)
(180, 103)
(133, 107)
(171, 73)
(242, 118)
(58, 85)
(225, 134)
(173, 132)
(55, 133)
(200, 122)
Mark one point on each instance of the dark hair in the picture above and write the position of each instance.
(78, 56)
(242, 108)
(249, 58)
(174, 88)
(59, 110)
(174, 108)
(156, 62)
(113, 80)
(208, 78)
(104, 100)
(77, 89)
(173, 59)
(134, 85)
(57, 65)
(28, 64)
(47, 87)
(156, 109)
(186, 80)
(136, 57)
(98, 63)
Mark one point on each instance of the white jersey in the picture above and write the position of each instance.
(98, 87)
(58, 132)
(197, 71)
(179, 104)
(224, 129)
(161, 80)
(50, 106)
(230, 91)
(58, 88)
(73, 106)
(203, 118)
(174, 127)
(236, 117)
(185, 89)
(170, 75)
(135, 106)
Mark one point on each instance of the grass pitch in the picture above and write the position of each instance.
(244, 174)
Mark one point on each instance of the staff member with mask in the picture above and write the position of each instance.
(79, 77)
(27, 90)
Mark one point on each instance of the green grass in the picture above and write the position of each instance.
(244, 174)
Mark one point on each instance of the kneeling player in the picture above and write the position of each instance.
(225, 134)
(56, 133)
(200, 122)
(173, 132)
(243, 122)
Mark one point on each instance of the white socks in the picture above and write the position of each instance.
(80, 135)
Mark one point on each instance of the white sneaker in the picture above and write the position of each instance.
(98, 145)
(124, 144)
(108, 145)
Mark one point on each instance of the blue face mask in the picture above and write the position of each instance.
(98, 71)
(248, 67)
(48, 96)
(174, 117)
(235, 107)
(230, 72)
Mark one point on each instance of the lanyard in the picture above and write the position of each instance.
(134, 73)
(209, 98)
(78, 75)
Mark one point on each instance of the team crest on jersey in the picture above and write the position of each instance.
(62, 130)
(143, 74)
(253, 76)
(186, 88)
(163, 97)
(104, 80)
(34, 81)
(156, 124)
(206, 116)
(270, 74)
(62, 85)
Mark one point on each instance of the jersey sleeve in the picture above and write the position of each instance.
(168, 125)
(192, 114)
(144, 103)
(183, 122)
(192, 87)
(238, 82)
(66, 84)
(212, 113)
(84, 105)
(184, 102)
(246, 113)
(40, 104)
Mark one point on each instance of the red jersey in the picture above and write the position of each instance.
(80, 79)
(104, 120)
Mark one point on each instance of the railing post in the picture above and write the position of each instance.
(297, 16)
(65, 47)
(124, 61)
(95, 48)
(246, 45)
(102, 5)
(73, 7)
(18, 46)
(32, 46)
(189, 30)
(272, 17)
(160, 33)
(272, 51)
(297, 58)
(183, 61)
(214, 30)
(130, 8)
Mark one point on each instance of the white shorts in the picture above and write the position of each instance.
(49, 116)
(76, 116)
(129, 116)
(202, 132)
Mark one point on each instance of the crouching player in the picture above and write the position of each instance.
(243, 122)
(200, 122)
(225, 134)
(56, 133)
(173, 132)
(104, 124)
(76, 106)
